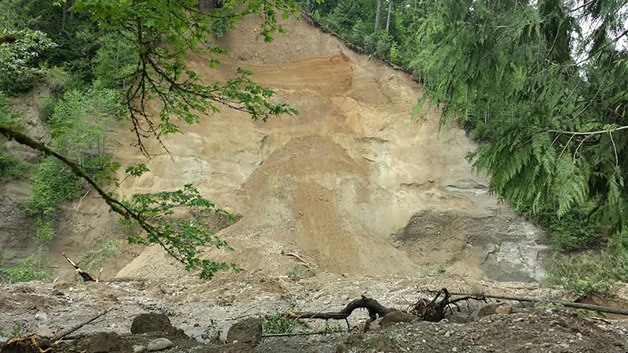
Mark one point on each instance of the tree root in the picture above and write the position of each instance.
(427, 310)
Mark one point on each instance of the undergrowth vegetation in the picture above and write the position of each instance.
(589, 272)
(30, 268)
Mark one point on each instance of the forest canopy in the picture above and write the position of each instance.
(540, 84)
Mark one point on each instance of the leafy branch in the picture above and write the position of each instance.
(588, 134)
(162, 86)
(155, 214)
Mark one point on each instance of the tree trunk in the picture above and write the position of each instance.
(390, 10)
(378, 14)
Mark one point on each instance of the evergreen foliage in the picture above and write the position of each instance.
(542, 84)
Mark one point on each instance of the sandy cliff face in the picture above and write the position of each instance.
(352, 184)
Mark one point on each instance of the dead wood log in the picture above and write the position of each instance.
(296, 256)
(433, 310)
(592, 307)
(84, 275)
(71, 329)
(374, 308)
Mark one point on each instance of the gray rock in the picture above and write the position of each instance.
(492, 309)
(460, 318)
(159, 344)
(247, 331)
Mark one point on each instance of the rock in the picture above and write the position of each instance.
(395, 317)
(106, 342)
(460, 318)
(159, 344)
(151, 322)
(504, 309)
(41, 316)
(492, 309)
(246, 331)
(139, 349)
(342, 348)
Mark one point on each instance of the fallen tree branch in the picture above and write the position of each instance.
(86, 276)
(296, 256)
(593, 307)
(71, 329)
(433, 310)
(374, 308)
(42, 344)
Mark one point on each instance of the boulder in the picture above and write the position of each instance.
(492, 309)
(151, 322)
(247, 331)
(395, 317)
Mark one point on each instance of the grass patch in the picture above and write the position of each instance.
(94, 259)
(31, 268)
(297, 270)
(589, 272)
(278, 323)
(10, 165)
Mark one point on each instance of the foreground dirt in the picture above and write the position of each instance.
(206, 310)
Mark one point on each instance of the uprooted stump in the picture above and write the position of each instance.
(427, 310)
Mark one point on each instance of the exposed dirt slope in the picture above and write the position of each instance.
(352, 184)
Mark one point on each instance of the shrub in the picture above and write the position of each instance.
(31, 268)
(20, 66)
(51, 183)
(589, 272)
(278, 323)
(10, 165)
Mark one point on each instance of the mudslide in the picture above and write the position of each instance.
(352, 185)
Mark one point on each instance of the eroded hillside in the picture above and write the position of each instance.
(374, 202)
(353, 184)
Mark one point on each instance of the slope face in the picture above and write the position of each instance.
(352, 184)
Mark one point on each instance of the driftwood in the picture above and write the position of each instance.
(84, 275)
(433, 310)
(69, 330)
(296, 256)
(592, 307)
(374, 308)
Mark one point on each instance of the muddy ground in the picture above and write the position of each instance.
(205, 311)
